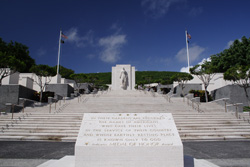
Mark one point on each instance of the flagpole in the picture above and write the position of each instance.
(187, 50)
(59, 49)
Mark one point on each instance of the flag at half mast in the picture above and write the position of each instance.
(188, 36)
(64, 36)
(59, 49)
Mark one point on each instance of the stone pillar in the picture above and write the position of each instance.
(117, 77)
(27, 82)
(56, 79)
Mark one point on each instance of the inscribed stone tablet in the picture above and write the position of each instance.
(128, 140)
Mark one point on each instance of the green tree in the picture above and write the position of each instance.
(93, 80)
(104, 77)
(147, 78)
(21, 52)
(79, 79)
(163, 76)
(240, 76)
(65, 72)
(238, 54)
(182, 79)
(9, 65)
(44, 75)
(205, 72)
(14, 57)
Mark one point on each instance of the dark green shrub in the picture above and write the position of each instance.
(246, 109)
(201, 94)
(102, 87)
(44, 97)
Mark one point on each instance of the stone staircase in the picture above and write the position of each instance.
(61, 124)
(210, 124)
(64, 120)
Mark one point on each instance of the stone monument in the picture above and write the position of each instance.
(128, 140)
(123, 77)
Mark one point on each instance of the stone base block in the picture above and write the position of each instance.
(128, 140)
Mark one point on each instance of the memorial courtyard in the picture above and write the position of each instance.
(40, 133)
(146, 83)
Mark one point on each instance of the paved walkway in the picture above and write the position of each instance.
(31, 154)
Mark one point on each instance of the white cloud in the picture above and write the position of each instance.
(195, 11)
(204, 60)
(195, 52)
(185, 69)
(111, 47)
(80, 41)
(229, 44)
(157, 8)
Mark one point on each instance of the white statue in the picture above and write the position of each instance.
(124, 79)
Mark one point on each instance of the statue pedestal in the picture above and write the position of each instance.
(117, 78)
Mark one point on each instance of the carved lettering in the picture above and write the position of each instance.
(129, 130)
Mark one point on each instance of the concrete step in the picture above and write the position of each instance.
(209, 136)
(201, 126)
(213, 138)
(210, 122)
(234, 128)
(40, 134)
(45, 120)
(45, 125)
(38, 138)
(215, 132)
(39, 130)
(63, 123)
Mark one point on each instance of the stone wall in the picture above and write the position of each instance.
(188, 87)
(235, 93)
(63, 90)
(86, 87)
(11, 79)
(216, 82)
(12, 93)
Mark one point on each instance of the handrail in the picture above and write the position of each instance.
(12, 109)
(23, 102)
(152, 93)
(169, 96)
(238, 114)
(27, 99)
(228, 103)
(222, 99)
(191, 101)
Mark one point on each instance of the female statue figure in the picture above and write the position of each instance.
(124, 79)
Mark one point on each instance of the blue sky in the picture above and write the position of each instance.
(148, 34)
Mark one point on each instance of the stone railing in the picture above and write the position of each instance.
(193, 101)
(168, 96)
(52, 100)
(152, 92)
(229, 105)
